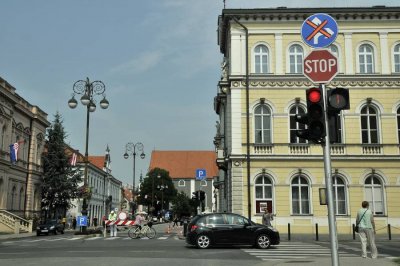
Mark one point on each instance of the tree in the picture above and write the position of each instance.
(182, 205)
(60, 180)
(152, 186)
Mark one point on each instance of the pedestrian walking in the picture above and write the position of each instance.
(267, 217)
(64, 221)
(113, 227)
(366, 231)
(175, 221)
(74, 222)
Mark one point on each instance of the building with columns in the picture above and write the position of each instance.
(23, 123)
(261, 161)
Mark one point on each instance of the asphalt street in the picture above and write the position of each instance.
(170, 249)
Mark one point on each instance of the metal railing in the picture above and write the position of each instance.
(15, 223)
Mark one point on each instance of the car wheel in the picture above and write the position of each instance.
(263, 241)
(37, 233)
(203, 241)
(55, 232)
(62, 232)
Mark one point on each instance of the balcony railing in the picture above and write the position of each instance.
(314, 149)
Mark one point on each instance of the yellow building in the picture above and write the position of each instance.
(282, 172)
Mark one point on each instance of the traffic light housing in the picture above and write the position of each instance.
(315, 114)
(202, 195)
(337, 99)
(195, 196)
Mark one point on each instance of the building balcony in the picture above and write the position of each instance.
(289, 149)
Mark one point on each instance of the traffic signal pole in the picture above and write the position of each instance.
(328, 184)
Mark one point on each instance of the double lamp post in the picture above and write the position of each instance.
(88, 90)
(130, 150)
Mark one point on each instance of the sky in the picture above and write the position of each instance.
(159, 60)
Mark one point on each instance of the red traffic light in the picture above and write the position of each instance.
(314, 95)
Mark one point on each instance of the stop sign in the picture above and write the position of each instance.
(320, 66)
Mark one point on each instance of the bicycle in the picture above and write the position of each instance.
(146, 230)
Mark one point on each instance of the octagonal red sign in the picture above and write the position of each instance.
(320, 66)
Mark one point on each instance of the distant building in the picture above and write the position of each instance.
(20, 181)
(182, 166)
(106, 189)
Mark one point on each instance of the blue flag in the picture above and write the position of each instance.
(14, 152)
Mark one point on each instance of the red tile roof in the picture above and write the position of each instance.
(98, 161)
(183, 164)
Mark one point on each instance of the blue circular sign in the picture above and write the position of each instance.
(319, 30)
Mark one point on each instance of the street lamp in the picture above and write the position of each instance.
(130, 149)
(162, 187)
(88, 90)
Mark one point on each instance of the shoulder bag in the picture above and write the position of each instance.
(356, 229)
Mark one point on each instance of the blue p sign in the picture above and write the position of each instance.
(201, 174)
(81, 220)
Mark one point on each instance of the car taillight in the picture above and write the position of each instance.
(194, 227)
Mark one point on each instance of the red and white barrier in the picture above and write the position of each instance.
(120, 222)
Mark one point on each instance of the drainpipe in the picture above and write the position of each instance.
(28, 164)
(247, 118)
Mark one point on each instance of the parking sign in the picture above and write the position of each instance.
(81, 220)
(201, 174)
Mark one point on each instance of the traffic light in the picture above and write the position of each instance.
(202, 195)
(338, 99)
(195, 196)
(315, 113)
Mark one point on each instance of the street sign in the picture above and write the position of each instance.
(319, 30)
(81, 220)
(320, 66)
(201, 174)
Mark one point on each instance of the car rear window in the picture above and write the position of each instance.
(213, 219)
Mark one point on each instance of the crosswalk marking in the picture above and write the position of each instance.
(294, 251)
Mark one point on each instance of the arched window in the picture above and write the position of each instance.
(264, 193)
(366, 59)
(181, 183)
(261, 58)
(2, 138)
(13, 197)
(369, 125)
(294, 126)
(396, 58)
(296, 59)
(262, 124)
(300, 195)
(21, 199)
(398, 125)
(374, 194)
(339, 194)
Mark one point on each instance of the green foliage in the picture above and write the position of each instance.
(60, 180)
(182, 205)
(150, 188)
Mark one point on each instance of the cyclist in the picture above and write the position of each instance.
(139, 220)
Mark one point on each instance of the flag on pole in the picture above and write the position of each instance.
(73, 159)
(14, 152)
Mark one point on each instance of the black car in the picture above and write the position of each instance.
(50, 227)
(209, 229)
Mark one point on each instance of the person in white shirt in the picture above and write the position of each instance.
(113, 227)
(365, 220)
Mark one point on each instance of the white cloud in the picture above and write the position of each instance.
(140, 64)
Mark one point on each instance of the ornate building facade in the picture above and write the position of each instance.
(25, 124)
(261, 161)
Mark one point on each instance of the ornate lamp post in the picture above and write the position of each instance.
(130, 150)
(88, 90)
(162, 187)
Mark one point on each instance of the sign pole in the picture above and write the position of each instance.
(328, 184)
